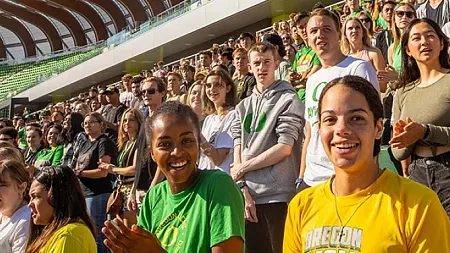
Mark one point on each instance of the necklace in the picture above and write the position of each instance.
(342, 226)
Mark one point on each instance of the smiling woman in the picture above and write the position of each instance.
(218, 98)
(194, 210)
(368, 202)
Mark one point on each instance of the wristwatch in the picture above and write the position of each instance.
(241, 184)
(298, 181)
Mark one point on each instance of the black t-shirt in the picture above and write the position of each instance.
(245, 85)
(89, 154)
(382, 41)
(147, 174)
(114, 116)
(435, 14)
(231, 69)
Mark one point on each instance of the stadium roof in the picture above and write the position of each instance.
(38, 27)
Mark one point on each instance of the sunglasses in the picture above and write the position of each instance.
(400, 14)
(365, 20)
(149, 91)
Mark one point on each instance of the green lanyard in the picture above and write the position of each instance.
(125, 151)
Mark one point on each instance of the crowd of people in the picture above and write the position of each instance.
(268, 143)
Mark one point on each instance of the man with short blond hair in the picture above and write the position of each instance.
(267, 134)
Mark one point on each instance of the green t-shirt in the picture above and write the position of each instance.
(305, 60)
(22, 138)
(397, 58)
(209, 212)
(354, 14)
(302, 94)
(50, 156)
(381, 23)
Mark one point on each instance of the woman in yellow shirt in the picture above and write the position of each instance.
(362, 208)
(58, 210)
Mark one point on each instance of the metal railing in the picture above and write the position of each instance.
(329, 7)
(263, 31)
(54, 54)
(124, 35)
(88, 54)
(167, 15)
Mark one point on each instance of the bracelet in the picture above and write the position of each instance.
(298, 181)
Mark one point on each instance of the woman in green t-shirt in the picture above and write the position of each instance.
(53, 154)
(194, 210)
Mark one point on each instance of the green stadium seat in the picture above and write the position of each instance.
(17, 78)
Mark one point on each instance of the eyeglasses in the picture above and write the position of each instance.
(91, 123)
(365, 20)
(150, 91)
(400, 14)
(388, 10)
(231, 41)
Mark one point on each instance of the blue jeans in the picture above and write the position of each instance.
(96, 206)
(433, 172)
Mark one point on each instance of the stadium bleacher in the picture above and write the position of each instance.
(16, 78)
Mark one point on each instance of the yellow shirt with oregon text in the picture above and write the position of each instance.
(400, 216)
(74, 237)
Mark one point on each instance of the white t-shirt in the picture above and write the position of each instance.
(126, 98)
(14, 231)
(318, 167)
(446, 30)
(218, 133)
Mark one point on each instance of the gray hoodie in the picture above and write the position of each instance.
(263, 120)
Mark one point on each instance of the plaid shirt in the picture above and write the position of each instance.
(71, 150)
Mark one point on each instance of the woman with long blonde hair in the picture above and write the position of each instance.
(404, 13)
(131, 122)
(355, 41)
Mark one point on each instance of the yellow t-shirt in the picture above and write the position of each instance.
(400, 216)
(74, 237)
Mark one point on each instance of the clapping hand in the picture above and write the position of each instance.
(387, 75)
(121, 239)
(106, 166)
(406, 133)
